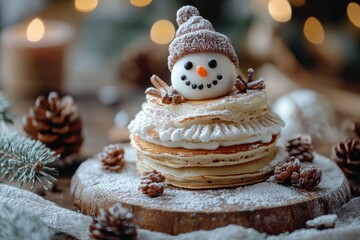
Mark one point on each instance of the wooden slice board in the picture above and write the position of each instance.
(267, 206)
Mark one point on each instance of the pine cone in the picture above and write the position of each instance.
(113, 224)
(347, 156)
(112, 157)
(300, 146)
(55, 121)
(309, 177)
(152, 183)
(284, 172)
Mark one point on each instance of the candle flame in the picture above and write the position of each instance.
(86, 5)
(35, 31)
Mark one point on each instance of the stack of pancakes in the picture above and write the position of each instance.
(215, 143)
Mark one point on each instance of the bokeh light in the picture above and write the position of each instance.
(162, 32)
(86, 5)
(280, 10)
(353, 12)
(314, 31)
(35, 31)
(140, 3)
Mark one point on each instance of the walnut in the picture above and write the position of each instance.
(309, 177)
(152, 183)
(284, 172)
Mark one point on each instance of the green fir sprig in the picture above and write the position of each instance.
(4, 109)
(25, 160)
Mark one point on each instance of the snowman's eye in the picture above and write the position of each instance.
(188, 65)
(212, 63)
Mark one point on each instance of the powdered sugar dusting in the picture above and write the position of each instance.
(196, 35)
(124, 186)
(322, 221)
(186, 12)
(197, 23)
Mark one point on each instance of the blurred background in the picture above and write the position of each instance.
(103, 53)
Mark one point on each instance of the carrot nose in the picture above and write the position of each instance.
(201, 71)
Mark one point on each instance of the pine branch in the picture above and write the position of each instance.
(4, 109)
(24, 160)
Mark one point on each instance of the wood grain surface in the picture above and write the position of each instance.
(180, 210)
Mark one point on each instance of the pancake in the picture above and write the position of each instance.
(216, 177)
(180, 157)
(232, 107)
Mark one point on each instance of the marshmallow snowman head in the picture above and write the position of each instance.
(200, 76)
(202, 61)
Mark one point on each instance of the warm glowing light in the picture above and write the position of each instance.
(162, 32)
(314, 31)
(86, 5)
(140, 3)
(280, 10)
(353, 12)
(35, 30)
(297, 3)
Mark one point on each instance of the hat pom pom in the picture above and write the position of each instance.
(186, 12)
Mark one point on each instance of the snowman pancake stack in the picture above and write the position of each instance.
(202, 132)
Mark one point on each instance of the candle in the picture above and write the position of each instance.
(32, 57)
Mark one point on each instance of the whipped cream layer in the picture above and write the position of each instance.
(209, 135)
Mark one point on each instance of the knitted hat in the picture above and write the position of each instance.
(197, 35)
